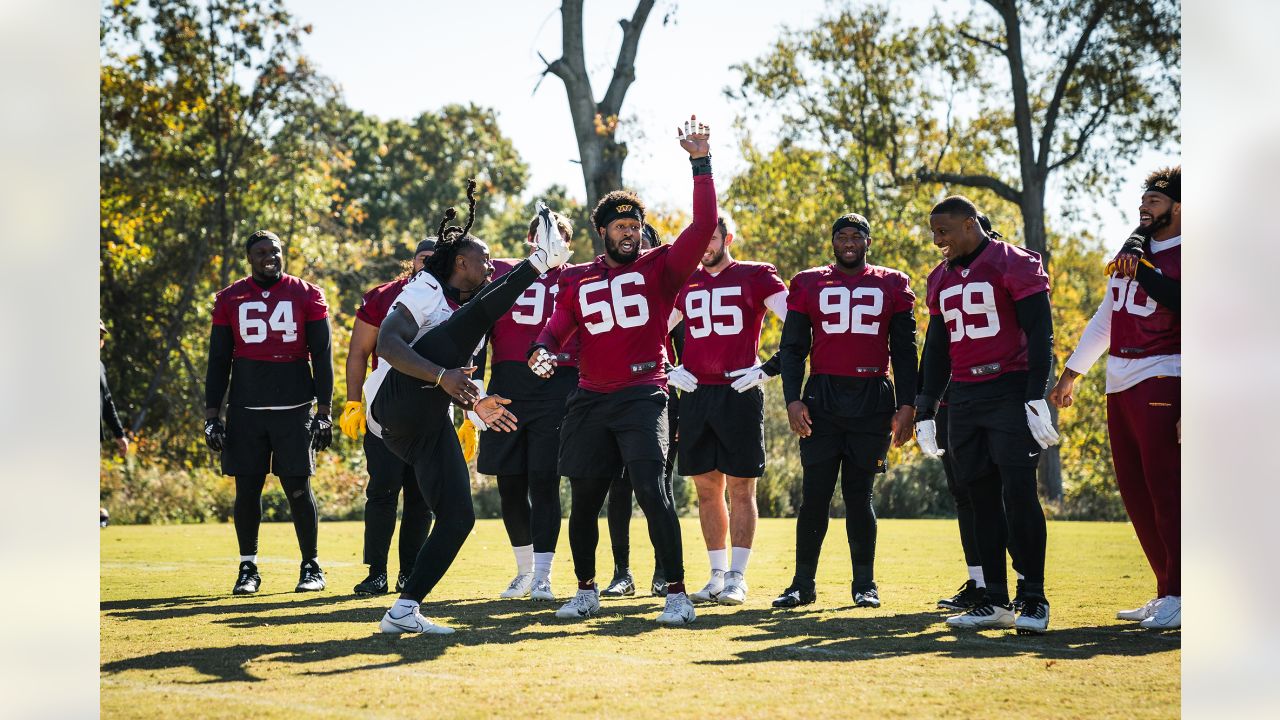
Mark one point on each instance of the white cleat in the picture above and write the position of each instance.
(1168, 614)
(735, 589)
(519, 587)
(984, 616)
(550, 249)
(711, 590)
(411, 622)
(1140, 614)
(678, 611)
(584, 604)
(541, 590)
(1034, 617)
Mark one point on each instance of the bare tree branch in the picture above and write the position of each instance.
(624, 70)
(995, 185)
(1095, 121)
(985, 42)
(1055, 104)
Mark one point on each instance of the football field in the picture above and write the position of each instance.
(176, 644)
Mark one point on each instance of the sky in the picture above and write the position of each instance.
(396, 59)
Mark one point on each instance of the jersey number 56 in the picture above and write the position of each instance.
(613, 304)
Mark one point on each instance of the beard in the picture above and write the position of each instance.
(618, 256)
(856, 262)
(1162, 220)
(715, 259)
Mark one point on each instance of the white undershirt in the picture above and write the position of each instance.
(423, 298)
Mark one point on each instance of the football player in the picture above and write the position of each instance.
(722, 406)
(618, 306)
(524, 461)
(991, 334)
(1139, 326)
(853, 321)
(426, 348)
(270, 333)
(388, 474)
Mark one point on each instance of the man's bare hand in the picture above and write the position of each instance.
(457, 384)
(492, 413)
(903, 425)
(798, 417)
(1063, 393)
(695, 138)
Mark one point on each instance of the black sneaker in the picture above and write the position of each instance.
(658, 586)
(867, 597)
(248, 580)
(969, 596)
(795, 597)
(1033, 617)
(401, 581)
(310, 577)
(622, 584)
(1019, 598)
(375, 584)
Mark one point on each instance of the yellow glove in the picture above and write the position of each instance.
(469, 440)
(352, 421)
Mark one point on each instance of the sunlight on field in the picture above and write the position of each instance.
(176, 644)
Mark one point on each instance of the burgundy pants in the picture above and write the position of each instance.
(1148, 461)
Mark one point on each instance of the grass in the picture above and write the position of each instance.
(175, 643)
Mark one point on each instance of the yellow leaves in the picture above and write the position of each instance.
(606, 126)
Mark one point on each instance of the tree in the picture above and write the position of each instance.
(595, 124)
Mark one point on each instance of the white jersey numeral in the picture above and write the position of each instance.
(838, 300)
(708, 312)
(977, 300)
(1124, 296)
(616, 307)
(254, 329)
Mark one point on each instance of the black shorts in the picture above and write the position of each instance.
(983, 434)
(387, 473)
(865, 440)
(604, 431)
(532, 448)
(722, 430)
(262, 441)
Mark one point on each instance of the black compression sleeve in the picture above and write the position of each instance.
(935, 367)
(482, 361)
(1164, 290)
(1036, 319)
(219, 372)
(773, 365)
(797, 339)
(320, 345)
(109, 414)
(902, 355)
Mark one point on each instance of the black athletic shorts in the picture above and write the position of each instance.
(864, 439)
(262, 441)
(722, 429)
(604, 431)
(982, 434)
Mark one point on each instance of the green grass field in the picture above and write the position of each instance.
(175, 643)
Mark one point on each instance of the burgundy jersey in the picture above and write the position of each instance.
(722, 318)
(375, 305)
(977, 303)
(517, 331)
(850, 316)
(620, 313)
(1141, 327)
(270, 324)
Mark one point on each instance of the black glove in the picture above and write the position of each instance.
(215, 433)
(321, 432)
(1138, 238)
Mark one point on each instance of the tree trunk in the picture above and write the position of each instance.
(1034, 236)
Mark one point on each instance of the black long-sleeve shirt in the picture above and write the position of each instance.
(107, 406)
(256, 383)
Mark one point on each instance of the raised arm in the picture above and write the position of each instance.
(394, 338)
(693, 241)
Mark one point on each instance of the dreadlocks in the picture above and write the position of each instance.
(451, 239)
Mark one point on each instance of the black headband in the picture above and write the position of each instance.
(1170, 187)
(260, 235)
(620, 210)
(852, 220)
(425, 245)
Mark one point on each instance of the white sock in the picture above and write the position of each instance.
(524, 559)
(740, 557)
(542, 565)
(975, 574)
(1020, 575)
(249, 558)
(719, 559)
(404, 606)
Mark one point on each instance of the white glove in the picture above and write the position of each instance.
(682, 379)
(472, 415)
(1041, 424)
(748, 378)
(927, 438)
(543, 363)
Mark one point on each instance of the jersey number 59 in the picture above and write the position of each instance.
(977, 299)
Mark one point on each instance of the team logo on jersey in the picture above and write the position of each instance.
(266, 294)
(964, 272)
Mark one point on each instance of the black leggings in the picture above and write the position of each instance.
(619, 515)
(302, 507)
(656, 501)
(964, 515)
(1008, 516)
(531, 509)
(813, 518)
(417, 427)
(387, 477)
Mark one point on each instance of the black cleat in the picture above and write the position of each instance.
(795, 597)
(310, 577)
(622, 584)
(969, 596)
(401, 581)
(658, 586)
(248, 580)
(375, 584)
(1019, 598)
(867, 597)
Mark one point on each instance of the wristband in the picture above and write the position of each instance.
(701, 166)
